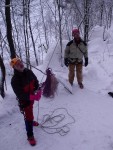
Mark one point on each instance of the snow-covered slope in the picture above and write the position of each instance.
(91, 108)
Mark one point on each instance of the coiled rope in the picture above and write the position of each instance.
(52, 123)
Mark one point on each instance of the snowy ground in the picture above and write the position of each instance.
(91, 108)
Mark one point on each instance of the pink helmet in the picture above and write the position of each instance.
(74, 31)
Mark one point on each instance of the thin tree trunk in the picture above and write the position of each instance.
(101, 14)
(39, 37)
(9, 29)
(110, 16)
(45, 29)
(17, 37)
(25, 17)
(60, 29)
(32, 38)
(86, 20)
(3, 71)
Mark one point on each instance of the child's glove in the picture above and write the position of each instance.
(37, 96)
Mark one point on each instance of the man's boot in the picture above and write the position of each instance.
(81, 85)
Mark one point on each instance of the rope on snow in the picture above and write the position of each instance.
(52, 123)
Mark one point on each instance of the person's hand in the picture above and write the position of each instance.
(86, 61)
(66, 62)
(37, 96)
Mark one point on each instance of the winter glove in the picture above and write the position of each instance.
(36, 97)
(66, 62)
(111, 94)
(86, 61)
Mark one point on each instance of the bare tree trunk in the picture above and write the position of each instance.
(101, 13)
(56, 23)
(1, 44)
(39, 37)
(9, 28)
(86, 20)
(27, 35)
(60, 28)
(67, 28)
(17, 35)
(110, 16)
(32, 38)
(45, 29)
(3, 71)
(24, 31)
(105, 19)
(25, 20)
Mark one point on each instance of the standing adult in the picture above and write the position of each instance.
(75, 50)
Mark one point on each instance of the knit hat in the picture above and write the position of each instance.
(14, 61)
(74, 31)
